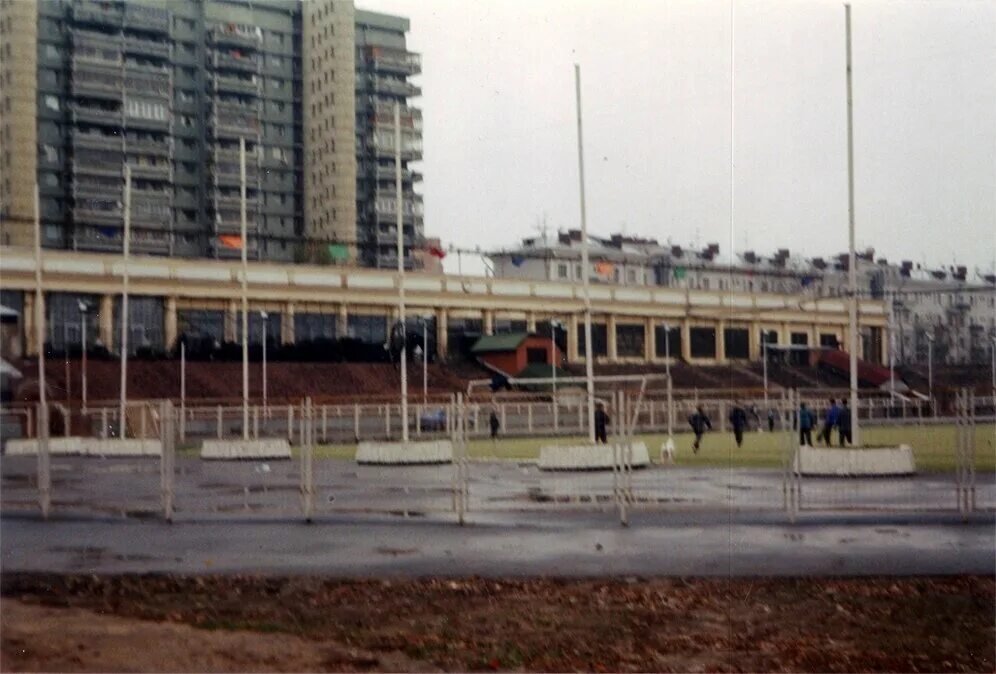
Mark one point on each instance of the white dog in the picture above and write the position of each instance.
(667, 451)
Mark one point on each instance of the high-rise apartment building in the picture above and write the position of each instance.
(168, 88)
(383, 67)
(330, 136)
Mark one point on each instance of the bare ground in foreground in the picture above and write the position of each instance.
(249, 623)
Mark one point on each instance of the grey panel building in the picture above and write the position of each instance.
(168, 88)
(383, 68)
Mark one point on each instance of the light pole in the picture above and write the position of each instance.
(425, 359)
(83, 309)
(554, 324)
(667, 370)
(764, 356)
(930, 372)
(264, 316)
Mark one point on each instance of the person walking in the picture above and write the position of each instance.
(844, 424)
(699, 423)
(738, 421)
(771, 421)
(601, 421)
(831, 419)
(806, 422)
(495, 425)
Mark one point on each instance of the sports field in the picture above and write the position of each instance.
(933, 447)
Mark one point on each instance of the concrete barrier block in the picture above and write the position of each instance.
(587, 457)
(871, 462)
(269, 448)
(400, 453)
(60, 446)
(129, 447)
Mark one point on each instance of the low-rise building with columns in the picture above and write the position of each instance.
(170, 297)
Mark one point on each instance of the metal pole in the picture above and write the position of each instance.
(122, 424)
(667, 370)
(401, 271)
(183, 388)
(83, 309)
(425, 361)
(245, 290)
(764, 356)
(44, 474)
(892, 355)
(553, 357)
(930, 373)
(264, 316)
(852, 272)
(589, 365)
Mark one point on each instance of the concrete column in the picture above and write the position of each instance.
(442, 334)
(572, 338)
(169, 323)
(342, 322)
(106, 324)
(287, 331)
(488, 320)
(231, 321)
(30, 330)
(721, 341)
(648, 340)
(610, 338)
(530, 322)
(754, 340)
(686, 340)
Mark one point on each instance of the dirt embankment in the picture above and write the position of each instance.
(240, 623)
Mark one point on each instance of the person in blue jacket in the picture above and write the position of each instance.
(806, 422)
(831, 420)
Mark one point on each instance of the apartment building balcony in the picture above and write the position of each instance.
(96, 80)
(385, 209)
(229, 175)
(147, 18)
(388, 173)
(247, 63)
(161, 147)
(145, 47)
(382, 145)
(98, 212)
(148, 124)
(97, 141)
(148, 80)
(152, 211)
(238, 85)
(98, 187)
(97, 13)
(225, 126)
(393, 87)
(394, 60)
(247, 37)
(87, 114)
(233, 202)
(97, 162)
(148, 171)
(382, 117)
(231, 156)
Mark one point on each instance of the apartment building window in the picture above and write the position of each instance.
(52, 102)
(561, 271)
(50, 152)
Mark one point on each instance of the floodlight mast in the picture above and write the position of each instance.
(852, 273)
(399, 202)
(589, 365)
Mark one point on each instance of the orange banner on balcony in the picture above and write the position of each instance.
(231, 241)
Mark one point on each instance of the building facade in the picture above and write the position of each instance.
(939, 306)
(169, 88)
(383, 68)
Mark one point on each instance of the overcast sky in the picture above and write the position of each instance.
(669, 88)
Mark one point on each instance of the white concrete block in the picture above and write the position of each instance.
(57, 446)
(400, 453)
(587, 457)
(267, 448)
(879, 461)
(122, 447)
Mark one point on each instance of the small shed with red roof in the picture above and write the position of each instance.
(513, 352)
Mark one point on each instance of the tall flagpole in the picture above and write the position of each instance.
(245, 291)
(44, 466)
(401, 271)
(852, 272)
(589, 365)
(122, 421)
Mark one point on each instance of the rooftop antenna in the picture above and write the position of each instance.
(542, 227)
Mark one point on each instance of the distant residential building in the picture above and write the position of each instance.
(959, 313)
(383, 68)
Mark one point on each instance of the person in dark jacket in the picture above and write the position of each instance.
(601, 421)
(495, 425)
(771, 421)
(806, 422)
(831, 419)
(844, 424)
(699, 423)
(738, 421)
